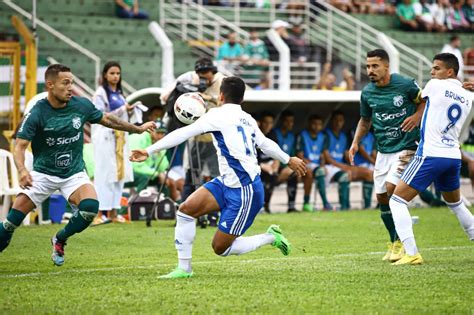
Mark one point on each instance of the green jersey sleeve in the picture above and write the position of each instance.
(93, 114)
(29, 126)
(414, 91)
(365, 110)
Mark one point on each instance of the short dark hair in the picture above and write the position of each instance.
(381, 53)
(204, 64)
(315, 117)
(287, 113)
(264, 114)
(449, 60)
(233, 89)
(337, 112)
(453, 38)
(53, 70)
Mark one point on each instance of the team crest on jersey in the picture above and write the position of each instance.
(50, 141)
(76, 122)
(398, 100)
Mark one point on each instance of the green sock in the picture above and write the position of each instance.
(367, 188)
(387, 219)
(321, 184)
(306, 199)
(344, 195)
(80, 220)
(14, 219)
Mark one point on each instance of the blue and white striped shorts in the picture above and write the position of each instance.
(239, 206)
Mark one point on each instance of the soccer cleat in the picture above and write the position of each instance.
(280, 242)
(307, 207)
(388, 253)
(328, 207)
(409, 260)
(58, 251)
(178, 273)
(398, 251)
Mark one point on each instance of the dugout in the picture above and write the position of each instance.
(302, 102)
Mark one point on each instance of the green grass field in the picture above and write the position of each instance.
(335, 267)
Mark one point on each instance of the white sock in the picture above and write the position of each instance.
(184, 234)
(464, 217)
(243, 245)
(403, 224)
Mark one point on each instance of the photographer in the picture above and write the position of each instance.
(200, 160)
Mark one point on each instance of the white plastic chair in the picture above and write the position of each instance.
(6, 189)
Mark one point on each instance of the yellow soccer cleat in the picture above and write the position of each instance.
(388, 253)
(398, 251)
(409, 260)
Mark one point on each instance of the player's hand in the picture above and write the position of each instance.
(138, 156)
(411, 123)
(26, 181)
(468, 86)
(149, 126)
(297, 165)
(352, 152)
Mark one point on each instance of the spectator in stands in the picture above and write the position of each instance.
(469, 61)
(439, 11)
(468, 11)
(453, 48)
(406, 16)
(129, 9)
(309, 148)
(344, 5)
(112, 167)
(255, 52)
(381, 7)
(231, 50)
(456, 20)
(362, 6)
(255, 59)
(337, 162)
(328, 80)
(268, 165)
(156, 112)
(264, 82)
(281, 27)
(423, 15)
(299, 47)
(286, 140)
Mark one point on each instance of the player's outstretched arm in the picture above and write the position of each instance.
(114, 122)
(362, 129)
(26, 180)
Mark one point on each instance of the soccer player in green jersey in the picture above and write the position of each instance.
(392, 104)
(54, 127)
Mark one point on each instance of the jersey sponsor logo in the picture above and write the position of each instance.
(62, 140)
(76, 122)
(448, 141)
(63, 159)
(398, 100)
(386, 116)
(24, 121)
(393, 133)
(50, 141)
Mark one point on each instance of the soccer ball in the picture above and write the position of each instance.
(189, 107)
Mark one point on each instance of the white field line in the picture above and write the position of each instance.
(213, 262)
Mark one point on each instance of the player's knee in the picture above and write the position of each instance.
(88, 209)
(187, 208)
(320, 171)
(382, 198)
(344, 178)
(220, 248)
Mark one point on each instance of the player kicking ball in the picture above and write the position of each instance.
(237, 192)
(438, 157)
(55, 129)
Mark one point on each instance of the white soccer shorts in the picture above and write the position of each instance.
(44, 185)
(389, 167)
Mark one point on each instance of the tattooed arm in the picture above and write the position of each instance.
(114, 122)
